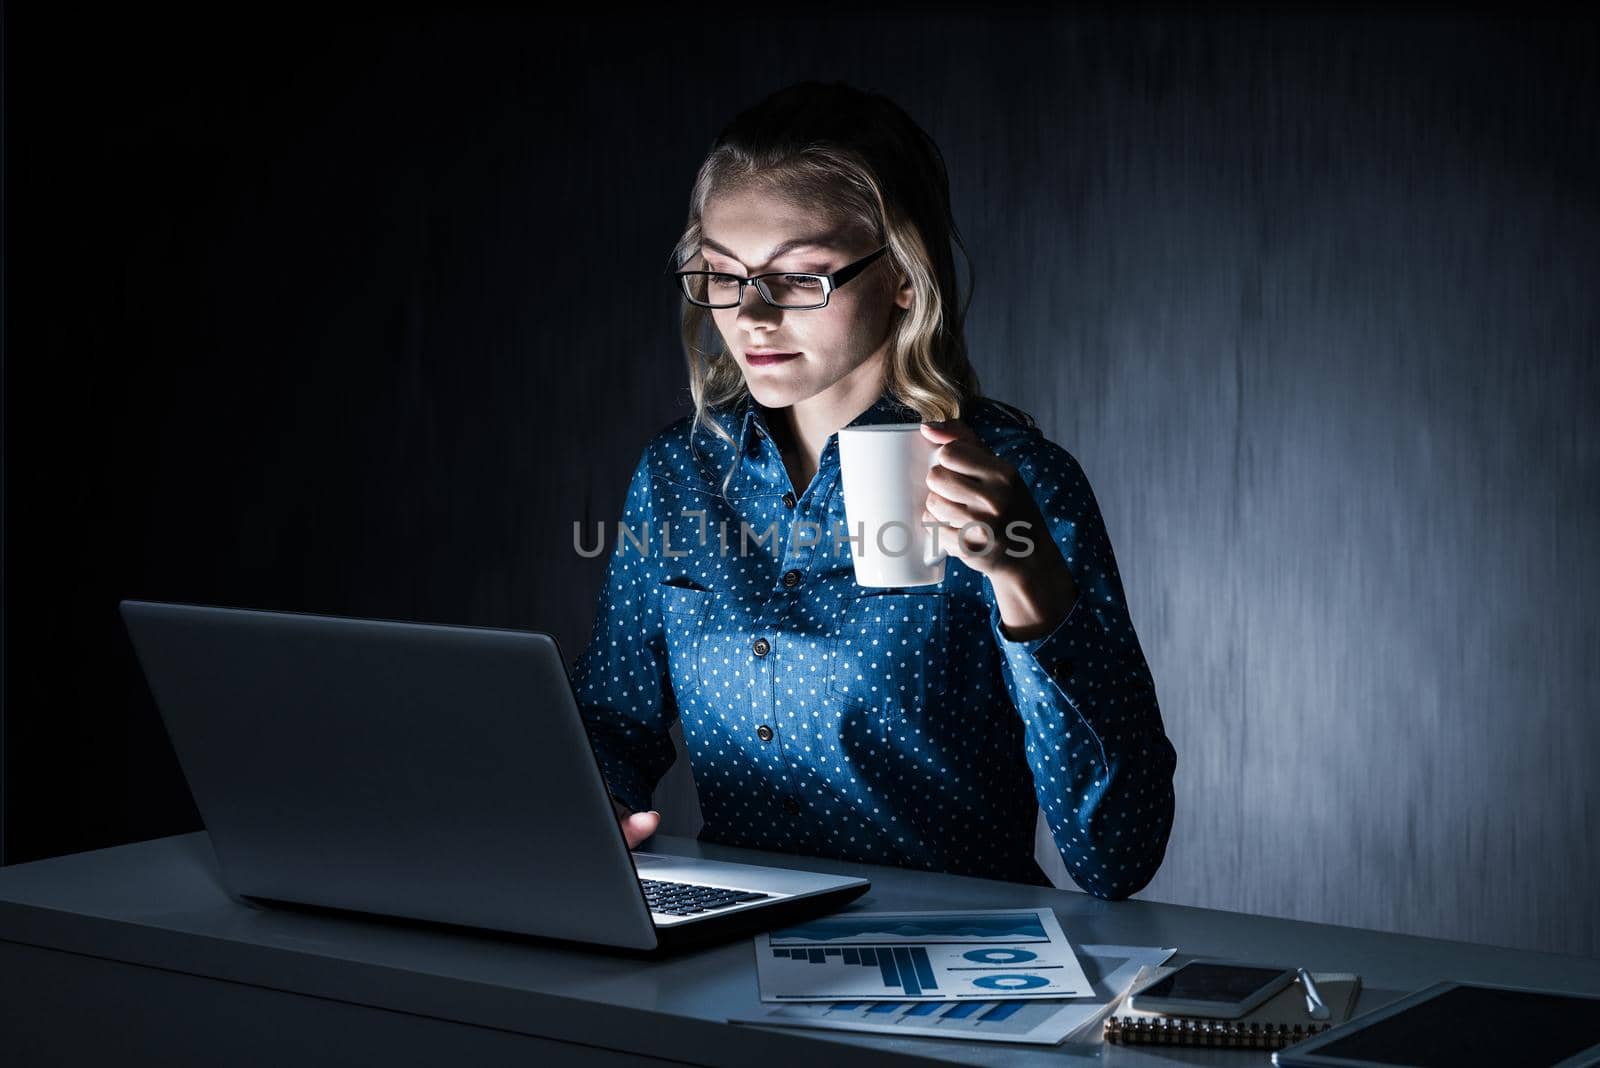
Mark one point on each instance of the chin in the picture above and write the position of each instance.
(777, 394)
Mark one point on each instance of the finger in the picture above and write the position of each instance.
(970, 458)
(963, 489)
(639, 826)
(977, 506)
(949, 430)
(951, 518)
(969, 543)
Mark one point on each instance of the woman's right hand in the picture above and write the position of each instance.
(636, 826)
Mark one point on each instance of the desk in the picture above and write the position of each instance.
(137, 954)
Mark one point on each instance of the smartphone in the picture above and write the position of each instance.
(1222, 989)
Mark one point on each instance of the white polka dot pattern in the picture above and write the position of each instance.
(891, 726)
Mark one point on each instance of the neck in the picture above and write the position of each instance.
(805, 426)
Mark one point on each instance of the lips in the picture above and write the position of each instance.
(763, 357)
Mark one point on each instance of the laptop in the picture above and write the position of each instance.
(429, 772)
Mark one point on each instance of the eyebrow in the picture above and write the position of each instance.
(822, 241)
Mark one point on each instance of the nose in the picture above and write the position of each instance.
(753, 307)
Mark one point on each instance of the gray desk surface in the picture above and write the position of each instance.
(159, 903)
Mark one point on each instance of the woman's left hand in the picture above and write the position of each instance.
(971, 485)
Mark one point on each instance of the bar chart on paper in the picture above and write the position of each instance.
(933, 956)
(905, 969)
(979, 1012)
(1039, 1021)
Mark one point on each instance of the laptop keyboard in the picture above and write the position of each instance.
(688, 899)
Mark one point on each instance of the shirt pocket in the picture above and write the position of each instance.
(683, 613)
(888, 653)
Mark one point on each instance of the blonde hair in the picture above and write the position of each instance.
(857, 159)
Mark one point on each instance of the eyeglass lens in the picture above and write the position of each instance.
(784, 290)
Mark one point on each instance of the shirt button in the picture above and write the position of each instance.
(791, 579)
(761, 647)
(791, 807)
(764, 732)
(788, 500)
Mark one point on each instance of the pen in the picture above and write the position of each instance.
(1314, 1002)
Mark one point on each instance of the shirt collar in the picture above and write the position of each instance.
(752, 419)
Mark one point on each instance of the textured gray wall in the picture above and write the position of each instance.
(1314, 303)
(1311, 299)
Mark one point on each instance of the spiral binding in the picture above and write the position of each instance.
(1227, 1034)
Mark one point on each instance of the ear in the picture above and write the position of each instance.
(903, 298)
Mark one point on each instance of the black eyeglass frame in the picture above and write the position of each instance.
(830, 282)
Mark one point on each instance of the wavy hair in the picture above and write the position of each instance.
(855, 157)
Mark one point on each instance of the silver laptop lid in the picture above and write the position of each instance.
(420, 770)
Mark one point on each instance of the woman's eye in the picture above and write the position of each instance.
(805, 281)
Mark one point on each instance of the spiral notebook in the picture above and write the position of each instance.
(1281, 1022)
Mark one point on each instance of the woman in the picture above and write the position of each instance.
(917, 726)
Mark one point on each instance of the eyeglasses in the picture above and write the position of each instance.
(791, 290)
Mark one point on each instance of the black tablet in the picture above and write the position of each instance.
(1461, 1025)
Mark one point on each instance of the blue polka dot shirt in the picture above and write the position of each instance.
(890, 726)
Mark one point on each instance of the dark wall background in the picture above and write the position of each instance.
(358, 314)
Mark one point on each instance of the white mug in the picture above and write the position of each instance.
(883, 471)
